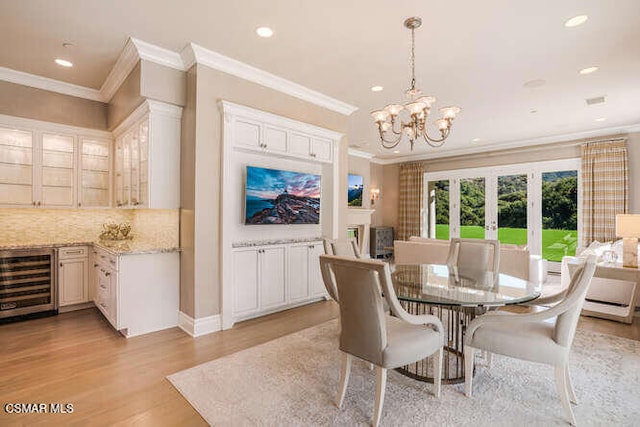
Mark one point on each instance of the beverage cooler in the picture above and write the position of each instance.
(27, 282)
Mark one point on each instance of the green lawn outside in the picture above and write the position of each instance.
(555, 243)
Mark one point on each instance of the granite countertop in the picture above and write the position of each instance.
(249, 243)
(127, 247)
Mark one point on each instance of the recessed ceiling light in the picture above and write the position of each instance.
(576, 20)
(589, 70)
(601, 119)
(533, 111)
(396, 151)
(265, 32)
(63, 62)
(475, 140)
(534, 83)
(376, 88)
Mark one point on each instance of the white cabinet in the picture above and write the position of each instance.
(272, 277)
(137, 293)
(147, 158)
(73, 275)
(259, 280)
(275, 277)
(50, 165)
(305, 279)
(270, 134)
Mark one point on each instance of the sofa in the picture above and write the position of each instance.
(514, 261)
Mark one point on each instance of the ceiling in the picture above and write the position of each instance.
(469, 53)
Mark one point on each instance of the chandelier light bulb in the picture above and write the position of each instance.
(393, 109)
(427, 100)
(443, 124)
(386, 126)
(415, 107)
(449, 112)
(379, 116)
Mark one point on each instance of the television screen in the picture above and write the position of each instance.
(281, 197)
(356, 185)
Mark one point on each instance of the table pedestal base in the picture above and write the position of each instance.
(455, 320)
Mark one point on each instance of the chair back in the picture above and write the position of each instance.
(475, 253)
(514, 262)
(363, 327)
(346, 247)
(567, 322)
(419, 252)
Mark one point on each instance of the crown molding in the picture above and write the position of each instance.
(126, 62)
(158, 55)
(147, 106)
(248, 72)
(515, 144)
(360, 153)
(45, 83)
(136, 50)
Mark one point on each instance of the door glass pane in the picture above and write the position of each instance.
(16, 167)
(135, 165)
(119, 172)
(95, 173)
(144, 163)
(472, 193)
(57, 170)
(438, 202)
(512, 209)
(559, 214)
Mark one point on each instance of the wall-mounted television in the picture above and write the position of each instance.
(274, 196)
(356, 187)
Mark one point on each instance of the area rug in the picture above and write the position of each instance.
(293, 381)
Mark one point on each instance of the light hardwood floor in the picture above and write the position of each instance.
(78, 358)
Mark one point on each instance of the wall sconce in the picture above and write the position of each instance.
(375, 194)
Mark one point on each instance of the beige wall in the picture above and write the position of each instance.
(163, 83)
(377, 177)
(126, 99)
(23, 101)
(389, 195)
(203, 152)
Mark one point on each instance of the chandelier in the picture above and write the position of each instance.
(391, 128)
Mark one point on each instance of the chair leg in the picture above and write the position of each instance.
(561, 385)
(572, 392)
(468, 370)
(344, 377)
(437, 373)
(381, 385)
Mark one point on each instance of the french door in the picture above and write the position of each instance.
(533, 205)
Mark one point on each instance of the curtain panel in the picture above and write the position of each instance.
(605, 189)
(411, 200)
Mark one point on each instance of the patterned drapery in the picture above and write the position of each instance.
(605, 189)
(411, 200)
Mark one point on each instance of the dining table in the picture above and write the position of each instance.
(456, 295)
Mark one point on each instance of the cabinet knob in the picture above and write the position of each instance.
(38, 203)
(79, 204)
(34, 203)
(95, 265)
(61, 265)
(107, 274)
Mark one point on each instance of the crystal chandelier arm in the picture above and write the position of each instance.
(386, 143)
(435, 142)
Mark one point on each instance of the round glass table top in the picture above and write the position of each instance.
(450, 285)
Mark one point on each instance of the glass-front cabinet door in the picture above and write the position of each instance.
(57, 171)
(16, 167)
(95, 159)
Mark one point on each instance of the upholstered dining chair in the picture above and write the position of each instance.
(420, 251)
(542, 337)
(369, 334)
(345, 247)
(475, 253)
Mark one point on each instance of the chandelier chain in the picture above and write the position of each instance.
(413, 59)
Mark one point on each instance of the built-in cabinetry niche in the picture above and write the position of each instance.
(266, 268)
(50, 165)
(147, 158)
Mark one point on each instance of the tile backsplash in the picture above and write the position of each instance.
(37, 226)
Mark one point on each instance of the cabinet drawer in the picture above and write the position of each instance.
(106, 259)
(73, 252)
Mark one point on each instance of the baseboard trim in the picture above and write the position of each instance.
(200, 326)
